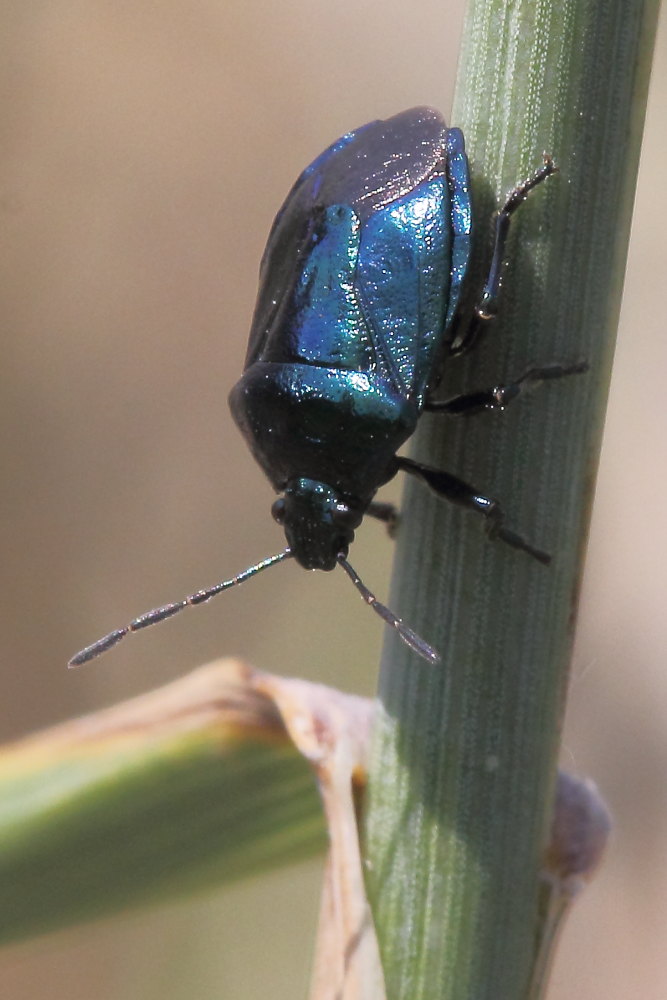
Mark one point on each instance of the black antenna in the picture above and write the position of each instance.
(159, 614)
(410, 638)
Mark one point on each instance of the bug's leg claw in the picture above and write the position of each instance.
(496, 529)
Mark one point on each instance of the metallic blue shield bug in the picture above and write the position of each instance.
(359, 284)
(359, 305)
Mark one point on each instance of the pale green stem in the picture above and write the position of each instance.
(465, 753)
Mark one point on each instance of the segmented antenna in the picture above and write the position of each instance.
(160, 614)
(410, 638)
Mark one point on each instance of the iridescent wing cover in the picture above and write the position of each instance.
(364, 261)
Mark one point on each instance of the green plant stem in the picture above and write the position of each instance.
(462, 778)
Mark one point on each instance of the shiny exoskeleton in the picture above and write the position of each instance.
(359, 283)
(359, 305)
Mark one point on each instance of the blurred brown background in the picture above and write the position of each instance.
(145, 149)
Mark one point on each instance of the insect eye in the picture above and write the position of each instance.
(278, 510)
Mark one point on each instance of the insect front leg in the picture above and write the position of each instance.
(500, 396)
(459, 492)
(386, 512)
(486, 309)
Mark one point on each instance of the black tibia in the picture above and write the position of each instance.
(501, 396)
(386, 512)
(459, 492)
(486, 309)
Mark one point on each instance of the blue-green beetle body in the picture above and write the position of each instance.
(359, 298)
(359, 284)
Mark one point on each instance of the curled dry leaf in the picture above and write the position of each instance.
(231, 704)
(220, 695)
(332, 730)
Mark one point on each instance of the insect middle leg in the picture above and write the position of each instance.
(486, 309)
(500, 396)
(459, 492)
